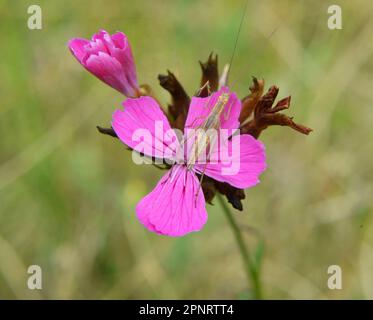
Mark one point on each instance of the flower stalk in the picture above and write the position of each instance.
(251, 271)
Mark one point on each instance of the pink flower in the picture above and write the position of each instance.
(177, 206)
(109, 58)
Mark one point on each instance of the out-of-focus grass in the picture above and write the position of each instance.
(67, 194)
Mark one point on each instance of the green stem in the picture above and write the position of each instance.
(250, 269)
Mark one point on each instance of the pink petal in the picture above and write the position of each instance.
(110, 71)
(77, 48)
(200, 109)
(100, 35)
(120, 40)
(176, 206)
(143, 117)
(122, 51)
(243, 170)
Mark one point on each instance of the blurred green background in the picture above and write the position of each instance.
(67, 193)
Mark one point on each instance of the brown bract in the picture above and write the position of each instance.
(261, 113)
(178, 109)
